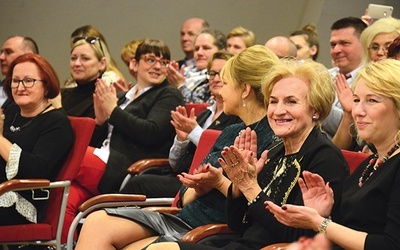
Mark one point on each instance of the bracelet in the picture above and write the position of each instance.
(324, 224)
(254, 200)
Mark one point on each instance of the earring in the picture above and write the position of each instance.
(244, 103)
(314, 117)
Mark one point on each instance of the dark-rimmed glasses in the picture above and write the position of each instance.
(151, 60)
(91, 40)
(26, 82)
(212, 74)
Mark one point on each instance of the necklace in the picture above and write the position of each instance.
(372, 167)
(17, 129)
(241, 131)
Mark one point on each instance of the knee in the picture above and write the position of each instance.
(94, 218)
(164, 246)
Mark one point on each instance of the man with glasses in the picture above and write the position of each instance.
(12, 48)
(346, 54)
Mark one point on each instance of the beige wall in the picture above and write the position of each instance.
(50, 22)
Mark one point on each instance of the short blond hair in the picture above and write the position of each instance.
(246, 35)
(321, 93)
(130, 48)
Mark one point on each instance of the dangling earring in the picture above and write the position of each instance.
(244, 103)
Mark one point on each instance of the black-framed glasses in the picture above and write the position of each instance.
(26, 82)
(91, 40)
(151, 60)
(212, 74)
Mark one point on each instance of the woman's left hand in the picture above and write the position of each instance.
(203, 180)
(295, 216)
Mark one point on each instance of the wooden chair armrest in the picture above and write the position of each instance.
(276, 246)
(22, 184)
(111, 198)
(201, 232)
(167, 210)
(144, 164)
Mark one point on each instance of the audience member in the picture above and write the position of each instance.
(188, 129)
(282, 47)
(87, 64)
(346, 53)
(192, 81)
(11, 49)
(127, 54)
(239, 39)
(112, 72)
(377, 38)
(134, 126)
(200, 203)
(370, 203)
(307, 43)
(189, 30)
(35, 138)
(298, 97)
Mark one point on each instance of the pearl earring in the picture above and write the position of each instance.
(314, 117)
(244, 103)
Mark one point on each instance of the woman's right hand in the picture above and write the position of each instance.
(175, 75)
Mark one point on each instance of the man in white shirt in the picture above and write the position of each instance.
(346, 54)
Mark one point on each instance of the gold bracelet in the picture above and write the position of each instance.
(324, 224)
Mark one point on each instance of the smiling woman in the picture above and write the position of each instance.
(35, 138)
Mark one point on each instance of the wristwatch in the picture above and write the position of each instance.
(324, 224)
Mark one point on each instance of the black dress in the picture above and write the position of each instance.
(279, 176)
(45, 142)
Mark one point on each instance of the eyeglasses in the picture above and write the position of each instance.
(375, 48)
(151, 60)
(91, 40)
(26, 82)
(212, 74)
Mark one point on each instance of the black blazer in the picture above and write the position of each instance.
(141, 130)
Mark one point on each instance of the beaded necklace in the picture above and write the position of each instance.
(372, 167)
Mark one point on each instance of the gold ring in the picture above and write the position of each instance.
(234, 164)
(3, 116)
(197, 184)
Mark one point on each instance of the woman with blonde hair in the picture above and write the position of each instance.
(298, 97)
(377, 38)
(370, 204)
(239, 39)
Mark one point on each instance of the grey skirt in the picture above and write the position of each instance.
(169, 227)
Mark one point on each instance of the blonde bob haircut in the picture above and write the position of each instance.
(249, 67)
(97, 51)
(321, 93)
(246, 35)
(383, 78)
